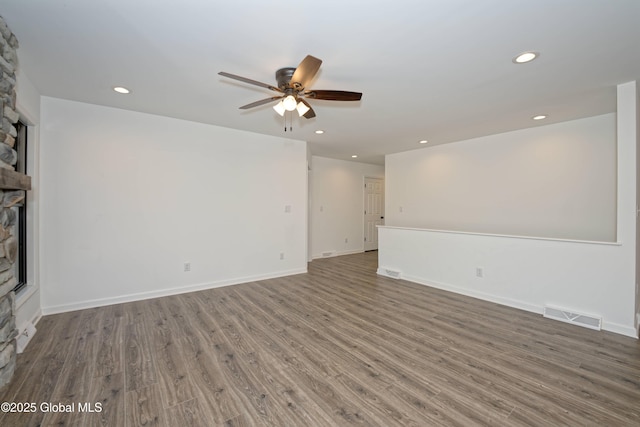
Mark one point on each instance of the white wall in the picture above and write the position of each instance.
(28, 106)
(630, 111)
(127, 198)
(550, 181)
(337, 205)
(528, 273)
(587, 278)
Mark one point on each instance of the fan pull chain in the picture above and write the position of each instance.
(290, 122)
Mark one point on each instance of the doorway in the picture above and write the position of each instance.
(373, 211)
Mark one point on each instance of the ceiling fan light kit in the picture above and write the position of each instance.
(292, 83)
(279, 107)
(289, 103)
(302, 109)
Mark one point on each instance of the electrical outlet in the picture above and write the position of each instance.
(187, 267)
(479, 272)
(346, 240)
(281, 255)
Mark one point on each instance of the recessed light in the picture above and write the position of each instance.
(319, 132)
(539, 117)
(525, 57)
(121, 89)
(355, 156)
(424, 141)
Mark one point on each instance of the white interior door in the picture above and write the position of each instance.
(373, 211)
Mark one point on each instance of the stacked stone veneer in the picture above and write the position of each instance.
(8, 198)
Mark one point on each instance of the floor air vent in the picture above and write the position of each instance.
(580, 319)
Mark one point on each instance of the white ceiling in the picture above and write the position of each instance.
(436, 70)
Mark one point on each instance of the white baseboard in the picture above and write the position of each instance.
(479, 295)
(36, 317)
(336, 253)
(81, 305)
(619, 329)
(606, 326)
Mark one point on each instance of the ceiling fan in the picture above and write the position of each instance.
(292, 84)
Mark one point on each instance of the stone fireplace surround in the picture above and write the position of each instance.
(12, 192)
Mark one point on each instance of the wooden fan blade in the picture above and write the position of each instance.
(309, 114)
(261, 102)
(306, 71)
(251, 82)
(333, 95)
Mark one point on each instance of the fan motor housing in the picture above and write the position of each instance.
(283, 77)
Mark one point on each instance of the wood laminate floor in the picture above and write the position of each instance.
(338, 346)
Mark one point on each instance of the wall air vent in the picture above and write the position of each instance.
(580, 319)
(394, 274)
(328, 254)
